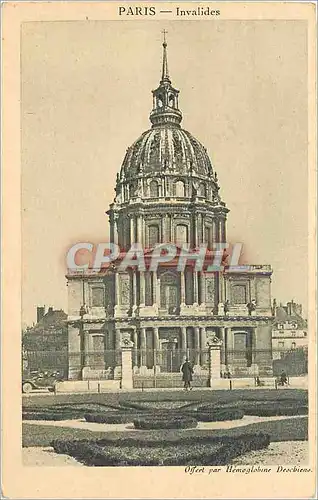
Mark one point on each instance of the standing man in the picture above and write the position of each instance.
(187, 372)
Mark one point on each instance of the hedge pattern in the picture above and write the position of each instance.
(219, 415)
(213, 451)
(173, 422)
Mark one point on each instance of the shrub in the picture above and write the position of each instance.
(219, 415)
(211, 451)
(173, 422)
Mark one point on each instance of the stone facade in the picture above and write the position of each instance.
(167, 191)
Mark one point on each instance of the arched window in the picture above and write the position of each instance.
(153, 234)
(153, 189)
(171, 100)
(181, 234)
(179, 189)
(202, 190)
(160, 101)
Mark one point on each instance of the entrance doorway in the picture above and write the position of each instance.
(169, 295)
(170, 356)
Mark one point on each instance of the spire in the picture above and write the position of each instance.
(165, 71)
(165, 97)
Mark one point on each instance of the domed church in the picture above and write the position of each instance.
(167, 191)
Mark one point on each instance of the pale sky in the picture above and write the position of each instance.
(86, 97)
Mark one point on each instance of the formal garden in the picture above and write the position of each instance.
(164, 428)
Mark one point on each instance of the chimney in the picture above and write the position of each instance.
(50, 310)
(289, 308)
(40, 311)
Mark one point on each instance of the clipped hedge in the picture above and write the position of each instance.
(172, 422)
(109, 418)
(266, 411)
(211, 451)
(219, 415)
(53, 415)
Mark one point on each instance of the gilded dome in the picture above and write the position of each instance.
(166, 147)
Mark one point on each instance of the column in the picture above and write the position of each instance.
(132, 229)
(86, 348)
(74, 353)
(229, 342)
(156, 345)
(224, 230)
(157, 287)
(117, 338)
(143, 353)
(203, 346)
(214, 235)
(222, 337)
(135, 348)
(217, 231)
(115, 226)
(203, 338)
(195, 287)
(134, 282)
(139, 230)
(221, 231)
(142, 288)
(196, 345)
(182, 286)
(165, 229)
(195, 225)
(171, 230)
(117, 291)
(202, 288)
(184, 340)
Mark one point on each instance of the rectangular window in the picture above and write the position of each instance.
(239, 294)
(98, 298)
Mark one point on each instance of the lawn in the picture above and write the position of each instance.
(221, 397)
(289, 429)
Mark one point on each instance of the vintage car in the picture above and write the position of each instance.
(40, 380)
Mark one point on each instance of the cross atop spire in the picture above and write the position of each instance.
(165, 73)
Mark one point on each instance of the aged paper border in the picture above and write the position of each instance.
(156, 482)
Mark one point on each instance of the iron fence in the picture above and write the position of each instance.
(161, 362)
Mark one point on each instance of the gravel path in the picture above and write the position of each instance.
(93, 426)
(282, 453)
(46, 457)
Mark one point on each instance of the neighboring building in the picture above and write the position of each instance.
(167, 191)
(289, 328)
(45, 344)
(289, 339)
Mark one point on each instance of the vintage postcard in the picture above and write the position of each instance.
(159, 197)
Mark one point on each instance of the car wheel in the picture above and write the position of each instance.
(27, 387)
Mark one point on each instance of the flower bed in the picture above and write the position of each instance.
(172, 422)
(211, 451)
